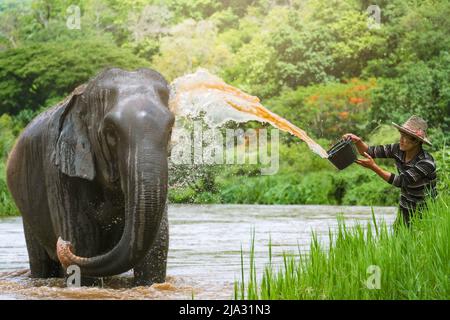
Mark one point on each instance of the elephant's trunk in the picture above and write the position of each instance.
(144, 183)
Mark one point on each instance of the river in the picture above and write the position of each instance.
(205, 250)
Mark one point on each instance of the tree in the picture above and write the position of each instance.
(425, 30)
(354, 44)
(421, 88)
(12, 17)
(252, 69)
(304, 55)
(191, 45)
(36, 74)
(195, 9)
(6, 136)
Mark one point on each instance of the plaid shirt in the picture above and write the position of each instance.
(417, 178)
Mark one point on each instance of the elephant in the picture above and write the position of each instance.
(90, 178)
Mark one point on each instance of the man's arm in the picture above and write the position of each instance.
(370, 163)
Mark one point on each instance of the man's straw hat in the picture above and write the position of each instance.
(415, 127)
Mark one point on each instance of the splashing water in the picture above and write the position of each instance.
(203, 93)
(19, 285)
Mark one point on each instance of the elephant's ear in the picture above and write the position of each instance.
(73, 154)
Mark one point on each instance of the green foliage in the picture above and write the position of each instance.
(352, 187)
(384, 134)
(439, 138)
(181, 195)
(373, 192)
(252, 68)
(248, 27)
(191, 45)
(424, 31)
(442, 158)
(196, 9)
(7, 206)
(225, 19)
(296, 158)
(295, 48)
(303, 53)
(422, 89)
(6, 136)
(146, 49)
(34, 74)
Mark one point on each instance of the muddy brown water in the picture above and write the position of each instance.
(204, 257)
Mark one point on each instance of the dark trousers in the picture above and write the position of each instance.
(405, 215)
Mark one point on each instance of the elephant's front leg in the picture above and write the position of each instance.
(152, 269)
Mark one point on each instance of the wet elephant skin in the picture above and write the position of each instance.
(89, 177)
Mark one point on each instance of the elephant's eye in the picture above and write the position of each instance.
(111, 138)
(164, 96)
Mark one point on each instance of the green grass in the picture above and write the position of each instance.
(414, 263)
(7, 206)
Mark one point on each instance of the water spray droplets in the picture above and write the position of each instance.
(203, 94)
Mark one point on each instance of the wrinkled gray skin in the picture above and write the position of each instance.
(93, 171)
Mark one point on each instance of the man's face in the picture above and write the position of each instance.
(407, 142)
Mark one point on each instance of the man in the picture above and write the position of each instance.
(416, 167)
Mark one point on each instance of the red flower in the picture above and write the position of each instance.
(343, 115)
(356, 100)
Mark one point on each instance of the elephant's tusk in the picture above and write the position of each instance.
(64, 252)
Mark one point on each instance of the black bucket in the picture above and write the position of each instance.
(342, 154)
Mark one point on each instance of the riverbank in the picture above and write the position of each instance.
(363, 263)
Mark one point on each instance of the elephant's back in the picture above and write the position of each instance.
(38, 134)
(26, 172)
(40, 123)
(25, 161)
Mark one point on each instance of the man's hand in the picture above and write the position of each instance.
(360, 145)
(368, 162)
(351, 136)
